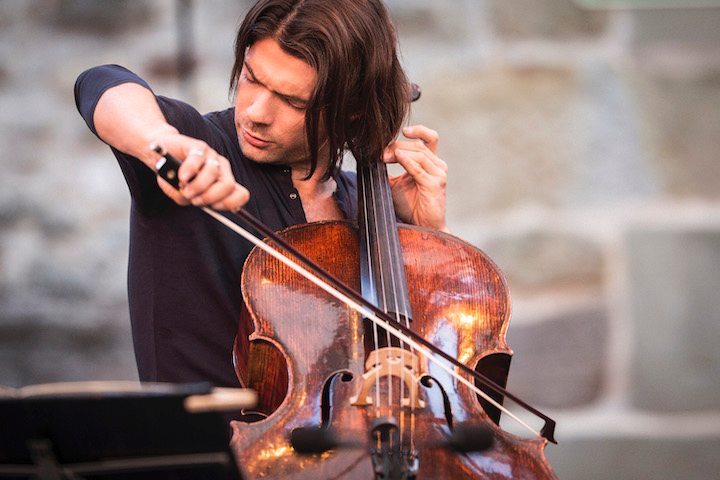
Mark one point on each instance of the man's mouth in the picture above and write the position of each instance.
(254, 140)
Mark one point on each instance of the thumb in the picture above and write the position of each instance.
(171, 192)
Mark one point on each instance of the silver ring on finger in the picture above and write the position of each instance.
(212, 161)
(197, 152)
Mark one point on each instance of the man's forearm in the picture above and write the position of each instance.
(128, 118)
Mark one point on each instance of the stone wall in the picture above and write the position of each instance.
(582, 147)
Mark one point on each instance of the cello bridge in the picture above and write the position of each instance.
(391, 362)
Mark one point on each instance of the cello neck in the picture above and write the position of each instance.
(382, 270)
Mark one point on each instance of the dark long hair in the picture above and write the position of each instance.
(362, 95)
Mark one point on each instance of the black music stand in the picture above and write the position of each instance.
(146, 434)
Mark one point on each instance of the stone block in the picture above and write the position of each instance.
(102, 17)
(679, 109)
(548, 19)
(698, 26)
(674, 307)
(419, 20)
(559, 362)
(620, 458)
(539, 260)
(33, 351)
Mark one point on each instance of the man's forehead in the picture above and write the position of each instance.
(279, 71)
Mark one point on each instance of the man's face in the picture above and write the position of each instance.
(273, 92)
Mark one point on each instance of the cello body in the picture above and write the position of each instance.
(314, 352)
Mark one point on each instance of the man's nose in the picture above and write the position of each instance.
(260, 111)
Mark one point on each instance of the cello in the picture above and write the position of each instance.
(358, 392)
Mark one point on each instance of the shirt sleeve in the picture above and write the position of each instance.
(92, 83)
(141, 180)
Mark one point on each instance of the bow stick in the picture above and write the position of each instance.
(167, 168)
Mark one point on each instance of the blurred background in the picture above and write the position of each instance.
(582, 139)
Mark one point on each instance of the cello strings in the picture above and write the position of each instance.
(380, 236)
(384, 218)
(386, 209)
(373, 288)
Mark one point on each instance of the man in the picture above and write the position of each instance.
(311, 79)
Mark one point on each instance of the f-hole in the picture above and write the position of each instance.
(496, 368)
(326, 403)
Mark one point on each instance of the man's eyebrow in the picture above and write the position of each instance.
(287, 98)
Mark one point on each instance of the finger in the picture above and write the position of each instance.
(422, 157)
(427, 135)
(223, 196)
(237, 198)
(420, 169)
(210, 172)
(172, 192)
(418, 149)
(194, 160)
(216, 193)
